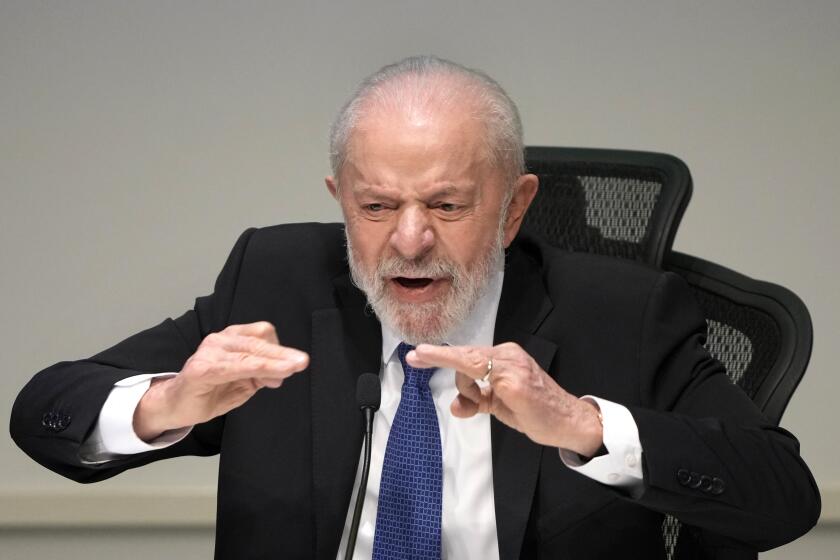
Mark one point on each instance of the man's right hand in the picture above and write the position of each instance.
(226, 370)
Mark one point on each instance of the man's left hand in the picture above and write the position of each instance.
(517, 392)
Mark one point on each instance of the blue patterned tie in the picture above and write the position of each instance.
(409, 511)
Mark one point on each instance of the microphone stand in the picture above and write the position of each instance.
(360, 494)
(368, 395)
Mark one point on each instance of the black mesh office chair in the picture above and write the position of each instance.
(760, 331)
(611, 202)
(629, 204)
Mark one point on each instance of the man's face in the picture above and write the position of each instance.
(424, 214)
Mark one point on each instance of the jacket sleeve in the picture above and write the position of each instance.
(710, 457)
(58, 408)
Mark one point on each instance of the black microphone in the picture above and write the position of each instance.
(368, 394)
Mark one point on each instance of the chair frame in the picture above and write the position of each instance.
(782, 305)
(671, 171)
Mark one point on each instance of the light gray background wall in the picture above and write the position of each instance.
(137, 139)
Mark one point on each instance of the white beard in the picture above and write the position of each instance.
(434, 321)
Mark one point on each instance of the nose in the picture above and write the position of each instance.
(413, 236)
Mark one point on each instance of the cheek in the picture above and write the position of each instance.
(466, 244)
(368, 240)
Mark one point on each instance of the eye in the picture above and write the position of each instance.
(374, 207)
(448, 207)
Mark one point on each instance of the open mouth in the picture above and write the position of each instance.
(417, 290)
(412, 282)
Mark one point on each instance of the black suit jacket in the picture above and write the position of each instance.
(599, 326)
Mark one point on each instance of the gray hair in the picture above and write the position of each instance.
(415, 82)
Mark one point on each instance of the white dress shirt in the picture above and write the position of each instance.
(468, 524)
(469, 515)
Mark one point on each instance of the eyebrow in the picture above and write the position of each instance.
(463, 190)
(449, 189)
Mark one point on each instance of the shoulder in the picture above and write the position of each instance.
(590, 275)
(299, 239)
(607, 288)
(288, 260)
(297, 246)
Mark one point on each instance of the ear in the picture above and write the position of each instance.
(332, 186)
(524, 192)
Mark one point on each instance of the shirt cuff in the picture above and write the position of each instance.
(114, 434)
(621, 466)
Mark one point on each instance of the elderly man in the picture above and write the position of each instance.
(555, 405)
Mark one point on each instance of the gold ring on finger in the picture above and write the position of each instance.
(487, 375)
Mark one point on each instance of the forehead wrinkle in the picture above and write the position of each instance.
(392, 107)
(364, 188)
(432, 191)
(464, 153)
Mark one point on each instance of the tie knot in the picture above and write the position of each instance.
(414, 377)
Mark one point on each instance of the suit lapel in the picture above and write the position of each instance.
(523, 307)
(346, 342)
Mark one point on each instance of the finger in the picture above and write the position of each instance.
(260, 347)
(486, 403)
(469, 360)
(254, 361)
(463, 407)
(260, 329)
(269, 383)
(254, 367)
(467, 387)
(509, 351)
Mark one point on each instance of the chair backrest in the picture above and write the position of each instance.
(760, 331)
(611, 202)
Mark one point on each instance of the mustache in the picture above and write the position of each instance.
(427, 268)
(373, 283)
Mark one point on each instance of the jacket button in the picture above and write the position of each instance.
(683, 477)
(694, 480)
(55, 422)
(718, 486)
(705, 483)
